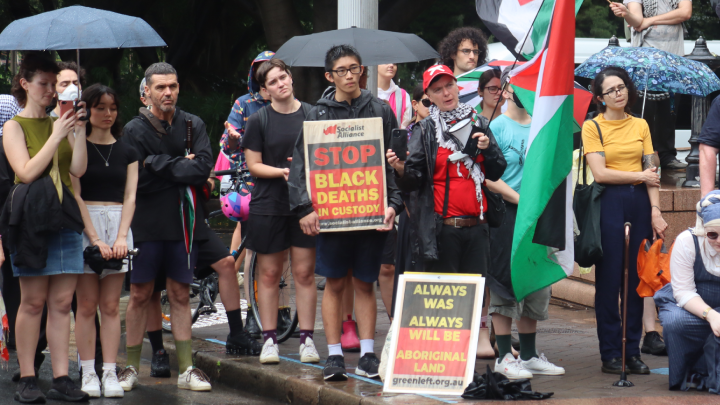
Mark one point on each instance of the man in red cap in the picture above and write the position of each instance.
(448, 182)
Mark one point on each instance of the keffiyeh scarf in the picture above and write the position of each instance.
(442, 120)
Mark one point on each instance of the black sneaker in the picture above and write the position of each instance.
(636, 366)
(27, 391)
(251, 326)
(243, 343)
(335, 369)
(64, 389)
(613, 366)
(653, 344)
(160, 364)
(368, 366)
(39, 358)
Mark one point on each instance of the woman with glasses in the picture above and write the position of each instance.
(489, 90)
(689, 304)
(620, 153)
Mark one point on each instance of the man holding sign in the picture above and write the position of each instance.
(349, 184)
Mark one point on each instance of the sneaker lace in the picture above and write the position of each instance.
(88, 378)
(127, 373)
(199, 375)
(110, 377)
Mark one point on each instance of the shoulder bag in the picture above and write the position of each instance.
(586, 205)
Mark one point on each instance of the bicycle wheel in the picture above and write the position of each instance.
(203, 294)
(165, 309)
(287, 308)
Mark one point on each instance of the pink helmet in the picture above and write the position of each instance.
(236, 206)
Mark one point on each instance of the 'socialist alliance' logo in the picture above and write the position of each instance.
(349, 131)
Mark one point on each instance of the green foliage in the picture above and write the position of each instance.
(596, 20)
(704, 22)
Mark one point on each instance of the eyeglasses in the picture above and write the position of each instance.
(467, 52)
(426, 102)
(711, 235)
(492, 89)
(353, 69)
(620, 89)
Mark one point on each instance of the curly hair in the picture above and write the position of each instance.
(74, 67)
(448, 47)
(31, 65)
(623, 75)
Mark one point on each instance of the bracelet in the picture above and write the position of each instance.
(95, 240)
(706, 312)
(655, 206)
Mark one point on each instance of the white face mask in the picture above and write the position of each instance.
(71, 93)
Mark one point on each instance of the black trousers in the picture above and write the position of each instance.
(462, 250)
(661, 120)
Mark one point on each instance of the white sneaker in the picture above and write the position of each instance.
(91, 384)
(194, 379)
(128, 378)
(111, 387)
(308, 352)
(511, 368)
(270, 353)
(541, 365)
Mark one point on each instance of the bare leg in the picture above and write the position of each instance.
(136, 318)
(110, 289)
(484, 348)
(179, 295)
(303, 270)
(348, 299)
(331, 308)
(387, 279)
(649, 314)
(228, 283)
(33, 293)
(88, 292)
(269, 271)
(246, 284)
(366, 310)
(60, 294)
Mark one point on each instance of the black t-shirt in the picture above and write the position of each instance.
(106, 181)
(270, 196)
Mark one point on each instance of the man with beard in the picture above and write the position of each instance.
(463, 49)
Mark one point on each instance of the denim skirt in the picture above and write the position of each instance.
(65, 256)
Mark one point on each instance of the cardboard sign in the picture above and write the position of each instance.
(433, 348)
(345, 172)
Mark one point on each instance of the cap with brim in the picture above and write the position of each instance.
(433, 72)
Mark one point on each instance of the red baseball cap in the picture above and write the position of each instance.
(434, 72)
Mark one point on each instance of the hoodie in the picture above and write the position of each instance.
(242, 109)
(327, 108)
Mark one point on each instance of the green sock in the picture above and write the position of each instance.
(184, 354)
(133, 356)
(504, 343)
(527, 346)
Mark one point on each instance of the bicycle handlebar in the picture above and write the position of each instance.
(230, 172)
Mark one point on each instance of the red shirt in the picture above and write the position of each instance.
(463, 200)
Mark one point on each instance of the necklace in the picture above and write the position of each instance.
(103, 157)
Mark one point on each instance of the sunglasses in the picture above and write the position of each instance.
(711, 235)
(426, 102)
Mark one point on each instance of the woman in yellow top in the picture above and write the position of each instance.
(31, 140)
(621, 158)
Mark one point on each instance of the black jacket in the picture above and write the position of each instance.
(418, 180)
(164, 173)
(327, 108)
(31, 212)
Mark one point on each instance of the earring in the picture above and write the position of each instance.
(603, 103)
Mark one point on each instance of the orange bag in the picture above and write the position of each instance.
(653, 265)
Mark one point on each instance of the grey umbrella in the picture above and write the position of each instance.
(376, 47)
(78, 27)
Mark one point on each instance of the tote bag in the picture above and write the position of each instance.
(586, 205)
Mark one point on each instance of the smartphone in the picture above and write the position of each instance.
(399, 143)
(65, 106)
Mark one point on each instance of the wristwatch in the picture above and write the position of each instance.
(706, 312)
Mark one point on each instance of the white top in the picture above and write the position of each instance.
(682, 275)
(407, 114)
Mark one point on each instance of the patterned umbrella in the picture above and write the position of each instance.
(660, 70)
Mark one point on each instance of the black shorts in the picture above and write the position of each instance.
(210, 252)
(275, 233)
(361, 251)
(160, 259)
(388, 256)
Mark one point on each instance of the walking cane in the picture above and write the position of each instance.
(623, 381)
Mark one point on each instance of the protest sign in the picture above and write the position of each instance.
(345, 172)
(433, 347)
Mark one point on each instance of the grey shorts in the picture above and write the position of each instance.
(106, 220)
(534, 306)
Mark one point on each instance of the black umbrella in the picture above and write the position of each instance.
(376, 47)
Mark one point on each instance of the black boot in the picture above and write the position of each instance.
(64, 389)
(243, 343)
(251, 326)
(636, 366)
(27, 391)
(653, 344)
(613, 366)
(160, 364)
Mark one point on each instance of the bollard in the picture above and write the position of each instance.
(698, 114)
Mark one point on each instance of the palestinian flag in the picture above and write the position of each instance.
(512, 21)
(542, 251)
